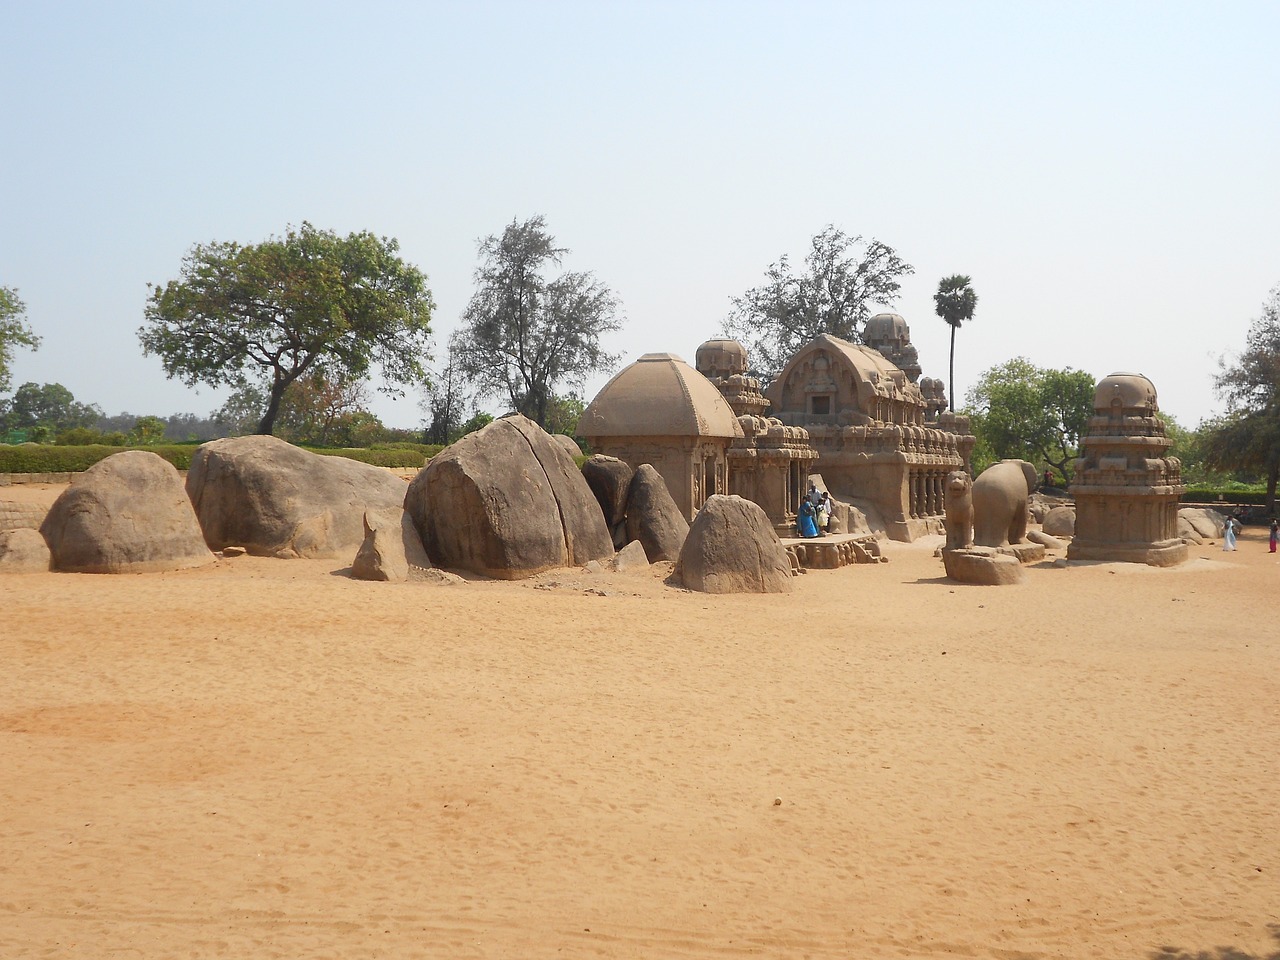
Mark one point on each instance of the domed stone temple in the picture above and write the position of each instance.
(661, 411)
(1126, 489)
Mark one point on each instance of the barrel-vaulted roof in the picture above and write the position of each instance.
(659, 396)
(864, 360)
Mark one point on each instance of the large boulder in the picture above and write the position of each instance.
(609, 479)
(1060, 522)
(732, 548)
(125, 514)
(23, 550)
(653, 517)
(1199, 524)
(277, 500)
(507, 501)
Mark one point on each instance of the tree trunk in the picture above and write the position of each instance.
(951, 383)
(268, 422)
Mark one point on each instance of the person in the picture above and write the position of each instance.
(1048, 479)
(1229, 534)
(805, 524)
(1274, 533)
(814, 495)
(824, 513)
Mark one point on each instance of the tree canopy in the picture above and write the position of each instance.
(522, 333)
(1248, 437)
(954, 302)
(1021, 411)
(44, 410)
(14, 332)
(266, 314)
(842, 280)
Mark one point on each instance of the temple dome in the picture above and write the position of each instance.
(1135, 393)
(721, 357)
(886, 327)
(659, 396)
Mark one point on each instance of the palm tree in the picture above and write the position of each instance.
(954, 302)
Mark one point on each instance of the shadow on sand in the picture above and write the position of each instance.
(1219, 953)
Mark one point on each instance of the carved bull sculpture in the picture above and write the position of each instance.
(1000, 497)
(957, 505)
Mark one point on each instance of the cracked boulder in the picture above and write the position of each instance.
(508, 502)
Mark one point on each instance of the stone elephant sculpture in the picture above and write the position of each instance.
(1000, 497)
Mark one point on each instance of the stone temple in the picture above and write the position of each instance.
(881, 441)
(1126, 489)
(661, 411)
(882, 444)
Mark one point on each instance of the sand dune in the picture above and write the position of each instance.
(263, 758)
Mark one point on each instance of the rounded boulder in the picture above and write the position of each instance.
(732, 548)
(128, 513)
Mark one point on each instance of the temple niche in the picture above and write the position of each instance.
(882, 443)
(661, 411)
(1126, 490)
(769, 464)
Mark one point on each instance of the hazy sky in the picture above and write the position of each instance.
(1107, 173)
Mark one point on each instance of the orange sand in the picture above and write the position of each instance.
(265, 759)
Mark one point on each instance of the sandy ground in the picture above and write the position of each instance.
(264, 758)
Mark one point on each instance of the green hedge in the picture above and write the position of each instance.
(47, 458)
(1225, 497)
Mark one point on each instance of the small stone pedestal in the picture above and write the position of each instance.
(982, 565)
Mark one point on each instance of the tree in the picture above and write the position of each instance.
(447, 398)
(147, 430)
(264, 315)
(843, 278)
(48, 408)
(563, 414)
(14, 332)
(523, 334)
(324, 410)
(1248, 437)
(1020, 411)
(954, 302)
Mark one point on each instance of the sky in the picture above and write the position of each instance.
(1108, 174)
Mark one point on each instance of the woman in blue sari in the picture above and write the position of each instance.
(806, 522)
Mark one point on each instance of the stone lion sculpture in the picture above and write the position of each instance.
(1000, 496)
(957, 504)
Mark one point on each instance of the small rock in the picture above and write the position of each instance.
(233, 551)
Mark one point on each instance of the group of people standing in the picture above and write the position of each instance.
(814, 515)
(1229, 534)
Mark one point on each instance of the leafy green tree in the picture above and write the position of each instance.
(147, 431)
(265, 315)
(1021, 411)
(14, 332)
(954, 302)
(1248, 437)
(842, 280)
(48, 409)
(563, 414)
(524, 334)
